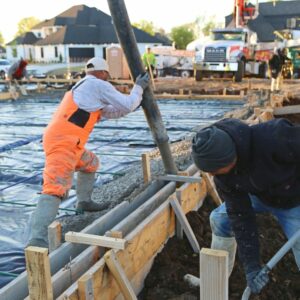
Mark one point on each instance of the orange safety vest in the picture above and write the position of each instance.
(69, 119)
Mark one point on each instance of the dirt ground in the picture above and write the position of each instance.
(165, 281)
(216, 86)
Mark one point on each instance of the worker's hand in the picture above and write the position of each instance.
(257, 279)
(142, 80)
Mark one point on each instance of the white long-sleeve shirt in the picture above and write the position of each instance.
(92, 94)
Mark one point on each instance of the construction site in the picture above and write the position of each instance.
(153, 238)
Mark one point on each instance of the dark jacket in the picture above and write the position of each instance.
(268, 166)
(275, 64)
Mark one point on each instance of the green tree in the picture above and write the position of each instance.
(145, 26)
(182, 35)
(2, 42)
(26, 24)
(204, 25)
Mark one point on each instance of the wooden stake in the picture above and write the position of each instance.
(146, 167)
(85, 287)
(180, 216)
(178, 227)
(211, 190)
(119, 275)
(213, 274)
(266, 116)
(54, 236)
(39, 275)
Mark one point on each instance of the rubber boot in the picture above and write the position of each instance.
(273, 81)
(296, 251)
(43, 216)
(84, 190)
(228, 244)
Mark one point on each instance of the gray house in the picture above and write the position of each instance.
(283, 15)
(75, 35)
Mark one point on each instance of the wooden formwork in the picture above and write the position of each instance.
(81, 272)
(143, 243)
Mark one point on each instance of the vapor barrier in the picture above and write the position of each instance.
(118, 143)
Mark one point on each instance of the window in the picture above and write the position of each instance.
(228, 36)
(55, 52)
(42, 52)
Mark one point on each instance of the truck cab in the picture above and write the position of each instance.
(228, 51)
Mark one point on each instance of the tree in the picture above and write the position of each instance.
(145, 26)
(2, 42)
(26, 24)
(204, 25)
(182, 35)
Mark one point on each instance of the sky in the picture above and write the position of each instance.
(163, 13)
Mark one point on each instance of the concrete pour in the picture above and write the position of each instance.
(127, 187)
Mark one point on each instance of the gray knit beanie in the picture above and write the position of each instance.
(212, 149)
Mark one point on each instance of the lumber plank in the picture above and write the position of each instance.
(184, 223)
(54, 235)
(170, 177)
(85, 288)
(146, 167)
(199, 97)
(266, 116)
(286, 110)
(95, 240)
(213, 274)
(39, 275)
(211, 190)
(119, 275)
(144, 242)
(189, 193)
(178, 227)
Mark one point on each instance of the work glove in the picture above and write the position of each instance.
(142, 80)
(257, 279)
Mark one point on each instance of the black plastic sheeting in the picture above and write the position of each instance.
(117, 143)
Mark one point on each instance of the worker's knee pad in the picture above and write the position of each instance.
(89, 162)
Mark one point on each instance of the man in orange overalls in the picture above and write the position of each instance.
(64, 143)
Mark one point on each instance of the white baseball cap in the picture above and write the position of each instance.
(96, 64)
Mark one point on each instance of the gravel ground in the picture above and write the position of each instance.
(127, 187)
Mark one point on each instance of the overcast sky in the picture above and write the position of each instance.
(163, 13)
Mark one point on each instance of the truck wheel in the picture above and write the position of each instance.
(239, 74)
(185, 74)
(160, 73)
(198, 75)
(263, 70)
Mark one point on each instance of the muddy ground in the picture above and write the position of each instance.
(165, 281)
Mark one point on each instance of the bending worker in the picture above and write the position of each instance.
(17, 71)
(64, 142)
(256, 169)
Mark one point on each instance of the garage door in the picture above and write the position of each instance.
(81, 54)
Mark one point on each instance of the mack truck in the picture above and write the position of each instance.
(231, 50)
